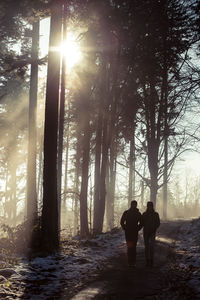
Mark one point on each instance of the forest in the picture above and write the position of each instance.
(102, 117)
(99, 106)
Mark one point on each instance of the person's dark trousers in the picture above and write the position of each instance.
(149, 243)
(131, 251)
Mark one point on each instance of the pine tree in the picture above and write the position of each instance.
(50, 234)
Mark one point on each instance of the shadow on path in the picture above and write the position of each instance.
(120, 282)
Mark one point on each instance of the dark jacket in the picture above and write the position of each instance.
(131, 223)
(150, 222)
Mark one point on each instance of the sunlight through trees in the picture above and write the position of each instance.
(97, 109)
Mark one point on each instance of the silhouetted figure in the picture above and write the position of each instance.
(150, 222)
(131, 223)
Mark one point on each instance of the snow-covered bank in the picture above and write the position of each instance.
(182, 272)
(43, 278)
(188, 254)
(80, 262)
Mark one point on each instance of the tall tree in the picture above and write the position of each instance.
(86, 134)
(61, 117)
(32, 139)
(77, 183)
(161, 48)
(131, 188)
(101, 152)
(50, 236)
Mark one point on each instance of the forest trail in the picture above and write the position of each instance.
(120, 282)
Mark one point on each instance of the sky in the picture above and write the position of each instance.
(44, 36)
(189, 163)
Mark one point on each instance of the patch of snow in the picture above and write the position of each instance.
(188, 249)
(43, 277)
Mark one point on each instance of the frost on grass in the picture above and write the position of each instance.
(44, 277)
(81, 260)
(188, 254)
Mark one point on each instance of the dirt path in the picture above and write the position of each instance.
(122, 283)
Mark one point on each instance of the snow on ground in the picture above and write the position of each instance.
(188, 253)
(43, 277)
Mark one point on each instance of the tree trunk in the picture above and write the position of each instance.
(165, 178)
(84, 230)
(152, 142)
(97, 169)
(6, 192)
(90, 201)
(102, 157)
(104, 161)
(32, 140)
(131, 189)
(67, 145)
(166, 133)
(112, 133)
(39, 183)
(13, 196)
(153, 169)
(61, 124)
(110, 196)
(77, 184)
(66, 168)
(50, 236)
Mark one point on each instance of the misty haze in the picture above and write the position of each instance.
(99, 161)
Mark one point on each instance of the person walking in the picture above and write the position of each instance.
(150, 223)
(131, 224)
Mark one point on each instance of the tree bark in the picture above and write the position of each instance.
(50, 236)
(165, 178)
(39, 183)
(101, 157)
(32, 137)
(97, 172)
(152, 141)
(104, 162)
(153, 169)
(76, 185)
(110, 196)
(131, 189)
(66, 167)
(61, 124)
(166, 131)
(13, 196)
(112, 133)
(84, 230)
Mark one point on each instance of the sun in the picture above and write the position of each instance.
(71, 51)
